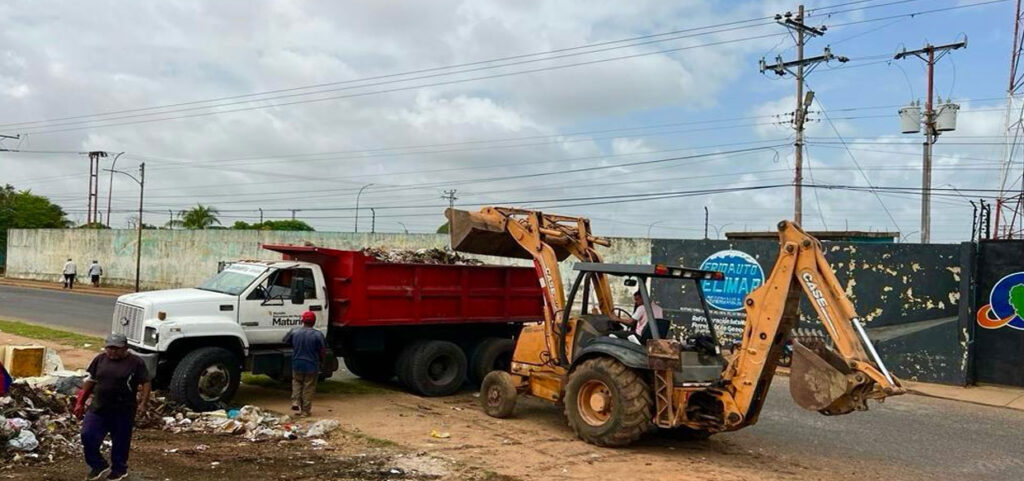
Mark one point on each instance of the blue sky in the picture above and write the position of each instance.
(60, 60)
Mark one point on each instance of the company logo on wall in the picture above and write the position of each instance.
(1005, 304)
(742, 275)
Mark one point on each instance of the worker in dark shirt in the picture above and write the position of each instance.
(308, 350)
(118, 383)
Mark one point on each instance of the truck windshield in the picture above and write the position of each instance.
(232, 280)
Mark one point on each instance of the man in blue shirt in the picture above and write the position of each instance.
(308, 350)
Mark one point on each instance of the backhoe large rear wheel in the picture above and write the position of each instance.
(607, 403)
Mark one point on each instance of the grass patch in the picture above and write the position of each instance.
(355, 386)
(42, 333)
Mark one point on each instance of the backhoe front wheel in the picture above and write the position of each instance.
(607, 403)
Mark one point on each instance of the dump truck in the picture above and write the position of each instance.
(618, 379)
(430, 325)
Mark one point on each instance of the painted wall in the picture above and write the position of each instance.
(908, 294)
(180, 258)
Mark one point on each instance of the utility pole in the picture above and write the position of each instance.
(261, 215)
(373, 220)
(293, 213)
(170, 219)
(450, 196)
(92, 214)
(141, 180)
(110, 187)
(795, 23)
(927, 53)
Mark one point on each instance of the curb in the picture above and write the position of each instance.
(85, 290)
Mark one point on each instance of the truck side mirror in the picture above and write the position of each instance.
(298, 294)
(629, 282)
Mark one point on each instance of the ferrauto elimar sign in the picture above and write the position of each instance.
(742, 274)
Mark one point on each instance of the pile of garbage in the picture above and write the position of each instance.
(36, 423)
(420, 256)
(250, 422)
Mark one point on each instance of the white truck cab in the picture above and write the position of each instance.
(196, 342)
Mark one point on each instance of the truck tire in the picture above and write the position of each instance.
(607, 403)
(498, 394)
(206, 378)
(372, 367)
(432, 368)
(490, 354)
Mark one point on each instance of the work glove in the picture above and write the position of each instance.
(79, 409)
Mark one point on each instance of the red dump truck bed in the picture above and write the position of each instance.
(366, 292)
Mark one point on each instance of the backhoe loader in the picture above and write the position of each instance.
(616, 384)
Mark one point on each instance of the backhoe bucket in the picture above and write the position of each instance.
(818, 379)
(479, 233)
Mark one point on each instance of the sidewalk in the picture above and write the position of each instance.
(997, 396)
(80, 288)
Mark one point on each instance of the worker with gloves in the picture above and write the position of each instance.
(309, 348)
(118, 384)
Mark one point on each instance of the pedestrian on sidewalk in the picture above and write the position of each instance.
(95, 271)
(118, 383)
(70, 271)
(309, 347)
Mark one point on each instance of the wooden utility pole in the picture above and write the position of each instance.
(927, 53)
(796, 24)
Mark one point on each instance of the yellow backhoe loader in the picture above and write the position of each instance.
(616, 383)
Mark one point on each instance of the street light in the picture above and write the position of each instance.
(110, 188)
(357, 204)
(718, 229)
(652, 224)
(404, 228)
(141, 180)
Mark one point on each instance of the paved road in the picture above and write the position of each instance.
(85, 313)
(926, 438)
(919, 437)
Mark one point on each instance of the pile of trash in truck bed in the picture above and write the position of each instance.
(419, 256)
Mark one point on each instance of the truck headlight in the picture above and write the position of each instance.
(151, 337)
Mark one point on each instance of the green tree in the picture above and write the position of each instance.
(198, 217)
(443, 229)
(93, 225)
(293, 225)
(21, 209)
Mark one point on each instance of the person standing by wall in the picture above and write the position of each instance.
(95, 271)
(70, 271)
(309, 347)
(118, 383)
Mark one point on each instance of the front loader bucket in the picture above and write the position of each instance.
(479, 233)
(819, 380)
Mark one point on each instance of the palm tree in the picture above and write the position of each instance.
(198, 217)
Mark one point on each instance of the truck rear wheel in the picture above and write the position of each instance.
(432, 368)
(490, 354)
(371, 366)
(206, 378)
(607, 403)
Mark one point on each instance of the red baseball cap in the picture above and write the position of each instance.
(309, 317)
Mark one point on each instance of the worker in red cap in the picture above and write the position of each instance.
(309, 347)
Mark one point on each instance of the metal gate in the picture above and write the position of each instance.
(999, 313)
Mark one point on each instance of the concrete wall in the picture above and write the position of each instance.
(177, 258)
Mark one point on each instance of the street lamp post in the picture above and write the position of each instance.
(404, 228)
(718, 229)
(357, 204)
(652, 224)
(110, 188)
(141, 180)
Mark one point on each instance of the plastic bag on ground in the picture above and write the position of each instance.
(25, 441)
(322, 427)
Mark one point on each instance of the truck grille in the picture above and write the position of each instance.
(128, 321)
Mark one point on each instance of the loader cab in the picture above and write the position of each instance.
(589, 334)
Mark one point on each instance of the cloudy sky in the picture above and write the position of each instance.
(638, 114)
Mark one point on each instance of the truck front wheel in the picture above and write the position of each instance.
(206, 378)
(432, 368)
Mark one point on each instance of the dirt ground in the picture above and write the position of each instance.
(388, 434)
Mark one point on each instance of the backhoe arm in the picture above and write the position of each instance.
(833, 381)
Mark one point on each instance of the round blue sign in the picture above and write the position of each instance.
(742, 275)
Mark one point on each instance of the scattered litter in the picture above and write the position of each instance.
(318, 443)
(25, 441)
(440, 435)
(202, 447)
(322, 427)
(171, 451)
(419, 256)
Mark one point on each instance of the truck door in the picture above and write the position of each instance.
(275, 305)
